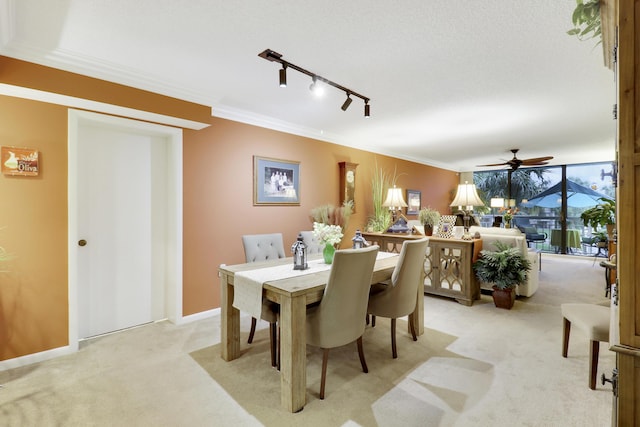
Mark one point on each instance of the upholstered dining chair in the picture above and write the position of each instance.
(398, 297)
(313, 246)
(339, 319)
(263, 247)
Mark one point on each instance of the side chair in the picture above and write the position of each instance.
(399, 297)
(339, 319)
(263, 247)
(313, 246)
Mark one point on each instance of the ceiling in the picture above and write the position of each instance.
(452, 83)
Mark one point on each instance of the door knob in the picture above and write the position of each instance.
(82, 242)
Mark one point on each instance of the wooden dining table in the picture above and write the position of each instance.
(293, 294)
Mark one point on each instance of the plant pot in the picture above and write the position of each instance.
(327, 253)
(428, 230)
(507, 224)
(504, 298)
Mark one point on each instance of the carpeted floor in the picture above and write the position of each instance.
(475, 366)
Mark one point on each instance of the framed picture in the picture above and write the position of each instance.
(275, 182)
(348, 183)
(414, 201)
(445, 226)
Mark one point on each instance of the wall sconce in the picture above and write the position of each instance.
(299, 251)
(270, 55)
(467, 196)
(497, 202)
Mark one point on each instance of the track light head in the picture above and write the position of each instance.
(283, 76)
(367, 111)
(347, 102)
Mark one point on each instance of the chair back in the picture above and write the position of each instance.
(399, 299)
(262, 247)
(340, 318)
(313, 246)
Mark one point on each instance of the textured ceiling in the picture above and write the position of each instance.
(453, 83)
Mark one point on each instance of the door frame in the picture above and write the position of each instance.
(173, 136)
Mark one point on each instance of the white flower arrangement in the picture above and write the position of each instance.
(327, 234)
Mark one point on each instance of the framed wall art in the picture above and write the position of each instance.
(413, 201)
(275, 181)
(19, 161)
(348, 183)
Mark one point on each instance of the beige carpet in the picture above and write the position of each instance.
(350, 394)
(475, 366)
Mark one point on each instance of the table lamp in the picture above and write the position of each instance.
(467, 197)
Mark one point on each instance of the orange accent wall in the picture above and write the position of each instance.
(218, 195)
(218, 201)
(33, 228)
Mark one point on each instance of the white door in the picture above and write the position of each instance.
(115, 220)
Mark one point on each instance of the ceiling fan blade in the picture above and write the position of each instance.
(495, 164)
(536, 160)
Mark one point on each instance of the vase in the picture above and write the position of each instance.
(507, 224)
(328, 252)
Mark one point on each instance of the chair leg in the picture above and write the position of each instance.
(363, 362)
(273, 342)
(325, 358)
(412, 328)
(593, 363)
(252, 331)
(565, 340)
(373, 321)
(393, 339)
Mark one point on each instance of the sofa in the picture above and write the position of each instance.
(514, 238)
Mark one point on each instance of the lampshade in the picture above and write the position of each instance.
(467, 195)
(497, 202)
(394, 198)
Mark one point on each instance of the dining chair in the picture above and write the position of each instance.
(313, 246)
(263, 247)
(339, 319)
(398, 297)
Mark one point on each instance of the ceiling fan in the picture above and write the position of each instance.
(515, 163)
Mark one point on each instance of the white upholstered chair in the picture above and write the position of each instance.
(593, 320)
(263, 247)
(398, 297)
(339, 319)
(313, 246)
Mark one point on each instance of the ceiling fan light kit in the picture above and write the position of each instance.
(315, 87)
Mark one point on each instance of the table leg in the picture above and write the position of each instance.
(229, 321)
(293, 352)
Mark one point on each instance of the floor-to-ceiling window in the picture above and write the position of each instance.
(548, 202)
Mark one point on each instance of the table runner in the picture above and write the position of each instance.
(247, 294)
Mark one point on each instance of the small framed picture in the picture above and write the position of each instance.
(445, 226)
(275, 182)
(414, 202)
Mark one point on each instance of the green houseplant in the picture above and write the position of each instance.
(601, 215)
(381, 218)
(505, 269)
(428, 218)
(586, 20)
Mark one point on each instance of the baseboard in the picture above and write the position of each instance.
(198, 316)
(35, 358)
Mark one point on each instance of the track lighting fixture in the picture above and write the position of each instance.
(347, 102)
(283, 76)
(316, 85)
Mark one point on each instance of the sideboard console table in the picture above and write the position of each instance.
(449, 269)
(448, 265)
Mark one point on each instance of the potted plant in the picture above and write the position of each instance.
(428, 218)
(601, 215)
(505, 269)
